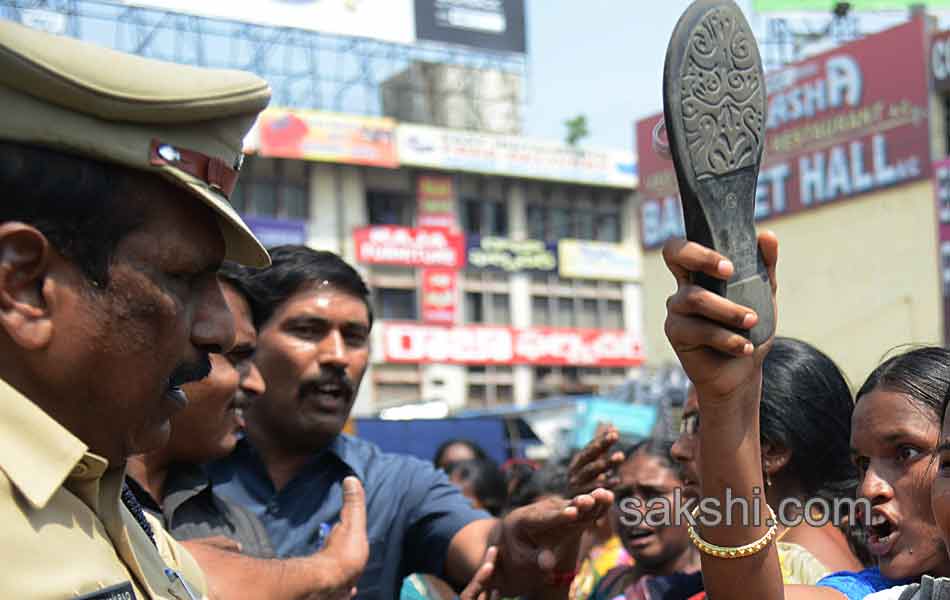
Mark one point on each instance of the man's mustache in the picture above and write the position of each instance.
(337, 378)
(188, 372)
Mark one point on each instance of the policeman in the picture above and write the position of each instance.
(115, 173)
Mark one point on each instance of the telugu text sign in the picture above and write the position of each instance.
(513, 156)
(327, 137)
(486, 345)
(846, 122)
(435, 195)
(439, 296)
(410, 246)
(511, 256)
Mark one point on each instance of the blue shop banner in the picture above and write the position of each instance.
(277, 232)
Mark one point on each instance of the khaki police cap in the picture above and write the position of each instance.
(186, 124)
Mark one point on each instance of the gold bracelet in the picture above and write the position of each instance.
(735, 551)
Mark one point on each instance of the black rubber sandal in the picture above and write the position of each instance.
(714, 106)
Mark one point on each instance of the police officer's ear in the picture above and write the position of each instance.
(25, 288)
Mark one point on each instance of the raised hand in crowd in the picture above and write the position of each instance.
(701, 325)
(593, 466)
(543, 538)
(726, 371)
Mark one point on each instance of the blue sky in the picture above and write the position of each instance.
(604, 58)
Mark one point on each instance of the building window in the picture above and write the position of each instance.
(474, 308)
(485, 217)
(396, 304)
(557, 381)
(568, 303)
(487, 307)
(500, 309)
(565, 312)
(389, 208)
(613, 315)
(397, 384)
(490, 386)
(561, 223)
(552, 218)
(540, 311)
(397, 394)
(487, 298)
(273, 188)
(536, 222)
(588, 316)
(608, 227)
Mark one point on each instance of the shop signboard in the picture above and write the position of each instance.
(439, 296)
(409, 246)
(328, 137)
(436, 201)
(487, 24)
(277, 232)
(846, 122)
(942, 192)
(511, 256)
(583, 259)
(512, 156)
(497, 345)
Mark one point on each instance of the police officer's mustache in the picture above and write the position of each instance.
(188, 372)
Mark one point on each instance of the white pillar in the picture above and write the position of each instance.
(520, 292)
(353, 202)
(324, 221)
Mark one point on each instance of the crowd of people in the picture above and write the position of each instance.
(173, 398)
(173, 394)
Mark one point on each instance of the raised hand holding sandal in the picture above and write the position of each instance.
(714, 105)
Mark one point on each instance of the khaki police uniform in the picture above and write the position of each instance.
(65, 532)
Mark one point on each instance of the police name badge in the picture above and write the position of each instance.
(121, 591)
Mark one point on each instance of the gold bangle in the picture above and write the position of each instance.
(735, 551)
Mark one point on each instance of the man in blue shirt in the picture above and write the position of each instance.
(314, 319)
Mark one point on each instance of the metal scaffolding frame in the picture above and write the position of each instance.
(306, 69)
(786, 40)
(316, 70)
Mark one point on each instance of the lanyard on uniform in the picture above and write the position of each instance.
(173, 577)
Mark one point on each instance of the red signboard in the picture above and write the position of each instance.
(410, 246)
(846, 122)
(329, 137)
(439, 296)
(942, 187)
(436, 196)
(486, 345)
